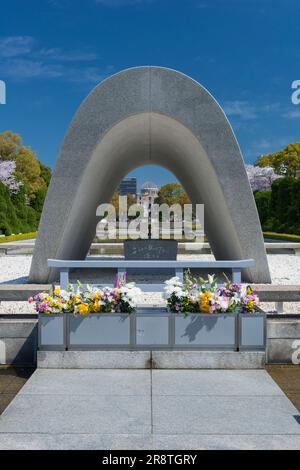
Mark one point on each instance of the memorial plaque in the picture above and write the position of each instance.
(150, 249)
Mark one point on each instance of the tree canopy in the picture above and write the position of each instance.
(23, 185)
(33, 174)
(279, 209)
(172, 193)
(285, 162)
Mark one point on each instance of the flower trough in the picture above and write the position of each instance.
(199, 315)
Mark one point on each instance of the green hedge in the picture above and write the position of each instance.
(16, 216)
(279, 209)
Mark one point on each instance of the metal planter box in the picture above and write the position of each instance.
(118, 331)
(152, 330)
(206, 331)
(156, 330)
(52, 332)
(98, 330)
(252, 331)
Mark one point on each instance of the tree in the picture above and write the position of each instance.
(28, 171)
(279, 209)
(261, 179)
(45, 173)
(33, 174)
(10, 144)
(23, 185)
(7, 176)
(39, 200)
(172, 193)
(285, 162)
(263, 204)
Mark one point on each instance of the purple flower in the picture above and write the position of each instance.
(43, 307)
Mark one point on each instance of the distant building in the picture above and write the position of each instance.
(127, 186)
(148, 194)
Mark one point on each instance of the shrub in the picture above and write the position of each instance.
(279, 209)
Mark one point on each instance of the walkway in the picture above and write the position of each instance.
(150, 409)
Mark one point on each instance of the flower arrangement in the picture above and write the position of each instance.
(122, 298)
(205, 296)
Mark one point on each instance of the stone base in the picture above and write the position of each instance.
(18, 342)
(208, 360)
(151, 359)
(283, 346)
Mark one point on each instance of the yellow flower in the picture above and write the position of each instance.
(56, 291)
(77, 299)
(204, 299)
(96, 307)
(83, 309)
(97, 295)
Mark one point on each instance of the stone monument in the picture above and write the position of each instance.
(142, 116)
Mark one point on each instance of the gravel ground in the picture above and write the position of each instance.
(285, 269)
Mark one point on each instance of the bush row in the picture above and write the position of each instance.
(279, 208)
(16, 215)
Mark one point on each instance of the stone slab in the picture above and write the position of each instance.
(17, 328)
(70, 413)
(283, 329)
(277, 293)
(143, 409)
(224, 415)
(214, 382)
(80, 441)
(156, 359)
(21, 292)
(88, 382)
(208, 360)
(226, 442)
(94, 359)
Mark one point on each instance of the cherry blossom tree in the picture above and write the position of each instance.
(261, 178)
(7, 176)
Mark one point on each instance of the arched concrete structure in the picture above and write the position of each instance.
(149, 115)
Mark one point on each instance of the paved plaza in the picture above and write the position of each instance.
(150, 409)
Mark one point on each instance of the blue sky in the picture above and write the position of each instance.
(245, 52)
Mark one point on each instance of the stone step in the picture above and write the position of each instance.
(150, 359)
